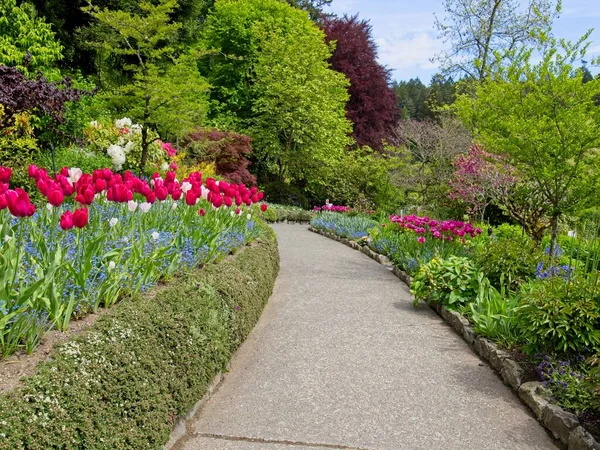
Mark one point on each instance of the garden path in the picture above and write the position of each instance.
(340, 359)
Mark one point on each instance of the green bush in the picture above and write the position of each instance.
(452, 282)
(122, 384)
(74, 157)
(279, 213)
(508, 256)
(559, 317)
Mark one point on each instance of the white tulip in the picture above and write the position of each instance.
(249, 216)
(174, 206)
(112, 222)
(132, 205)
(155, 235)
(111, 265)
(232, 213)
(186, 186)
(145, 207)
(74, 175)
(49, 206)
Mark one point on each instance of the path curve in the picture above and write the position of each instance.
(340, 359)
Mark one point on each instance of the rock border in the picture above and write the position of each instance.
(562, 425)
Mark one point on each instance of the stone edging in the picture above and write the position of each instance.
(561, 424)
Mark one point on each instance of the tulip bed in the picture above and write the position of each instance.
(103, 236)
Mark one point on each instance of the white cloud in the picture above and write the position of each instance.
(408, 51)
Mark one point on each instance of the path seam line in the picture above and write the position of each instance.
(277, 441)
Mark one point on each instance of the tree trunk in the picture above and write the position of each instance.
(145, 143)
(554, 237)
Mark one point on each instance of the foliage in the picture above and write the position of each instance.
(49, 272)
(508, 260)
(146, 362)
(280, 213)
(429, 149)
(560, 317)
(164, 91)
(271, 80)
(545, 120)
(411, 96)
(493, 313)
(227, 150)
(86, 160)
(26, 41)
(361, 176)
(452, 282)
(351, 227)
(479, 179)
(372, 104)
(482, 34)
(566, 381)
(313, 7)
(18, 146)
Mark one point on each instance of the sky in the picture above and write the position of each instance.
(406, 38)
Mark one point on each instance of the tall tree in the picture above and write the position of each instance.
(372, 105)
(163, 90)
(543, 117)
(476, 29)
(313, 7)
(271, 80)
(411, 97)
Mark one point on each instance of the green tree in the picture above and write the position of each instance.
(543, 118)
(411, 97)
(163, 90)
(478, 30)
(271, 80)
(26, 41)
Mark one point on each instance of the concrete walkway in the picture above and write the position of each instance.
(340, 359)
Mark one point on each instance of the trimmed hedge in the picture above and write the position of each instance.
(122, 384)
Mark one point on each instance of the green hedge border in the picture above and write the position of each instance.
(124, 383)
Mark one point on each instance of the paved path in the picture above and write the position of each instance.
(340, 359)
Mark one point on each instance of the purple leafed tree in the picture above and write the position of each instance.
(372, 105)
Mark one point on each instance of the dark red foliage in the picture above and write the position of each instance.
(228, 150)
(19, 94)
(372, 106)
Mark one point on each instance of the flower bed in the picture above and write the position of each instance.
(123, 384)
(542, 307)
(104, 236)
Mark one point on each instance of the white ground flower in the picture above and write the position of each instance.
(174, 206)
(7, 238)
(112, 222)
(49, 206)
(249, 216)
(232, 213)
(145, 207)
(155, 235)
(132, 205)
(94, 124)
(111, 265)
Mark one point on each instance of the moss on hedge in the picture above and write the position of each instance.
(122, 384)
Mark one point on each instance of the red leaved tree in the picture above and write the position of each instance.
(372, 105)
(228, 150)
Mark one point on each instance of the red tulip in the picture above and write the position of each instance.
(5, 173)
(161, 193)
(176, 194)
(19, 204)
(3, 202)
(217, 201)
(86, 195)
(238, 211)
(56, 197)
(261, 195)
(151, 197)
(100, 185)
(190, 198)
(263, 207)
(228, 201)
(66, 220)
(80, 217)
(254, 198)
(201, 212)
(32, 171)
(3, 187)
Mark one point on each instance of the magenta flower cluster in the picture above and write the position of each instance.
(425, 227)
(333, 208)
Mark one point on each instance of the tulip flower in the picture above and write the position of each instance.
(19, 203)
(80, 217)
(66, 220)
(190, 198)
(201, 212)
(145, 207)
(5, 173)
(263, 207)
(131, 205)
(56, 197)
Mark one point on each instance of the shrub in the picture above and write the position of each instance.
(74, 157)
(122, 384)
(559, 317)
(227, 150)
(451, 282)
(279, 213)
(509, 257)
